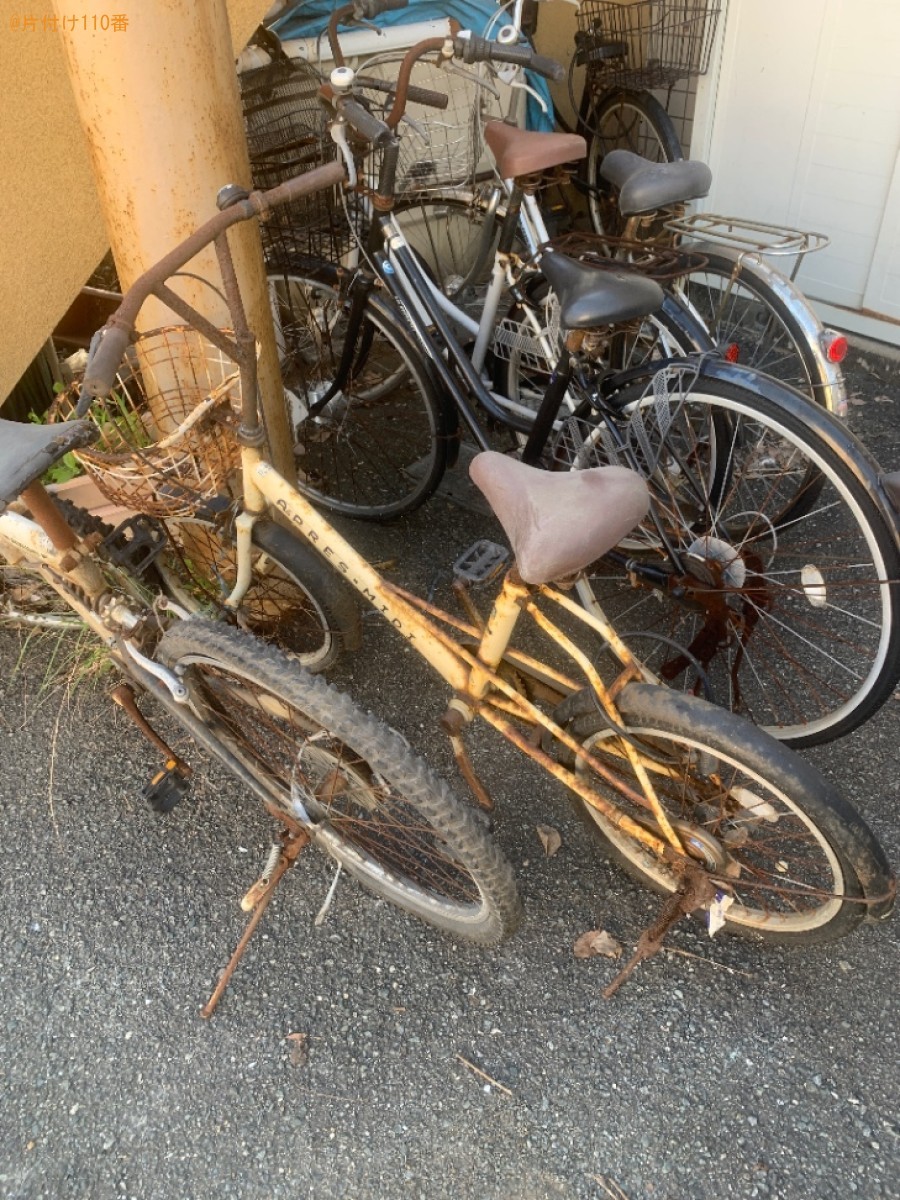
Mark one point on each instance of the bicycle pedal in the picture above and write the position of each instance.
(135, 543)
(167, 788)
(482, 562)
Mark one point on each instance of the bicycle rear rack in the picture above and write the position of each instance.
(753, 237)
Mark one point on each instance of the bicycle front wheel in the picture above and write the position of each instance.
(378, 448)
(770, 568)
(455, 237)
(796, 859)
(294, 599)
(369, 802)
(623, 120)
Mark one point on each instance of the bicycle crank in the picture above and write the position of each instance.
(168, 787)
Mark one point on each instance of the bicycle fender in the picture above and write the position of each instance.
(832, 393)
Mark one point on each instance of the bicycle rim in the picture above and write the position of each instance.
(752, 813)
(377, 448)
(787, 602)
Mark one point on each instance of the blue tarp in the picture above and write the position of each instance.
(310, 18)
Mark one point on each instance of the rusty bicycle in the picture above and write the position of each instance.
(694, 801)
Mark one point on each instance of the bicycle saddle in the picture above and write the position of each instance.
(525, 151)
(589, 296)
(645, 186)
(27, 451)
(559, 522)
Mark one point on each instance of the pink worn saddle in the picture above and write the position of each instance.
(559, 522)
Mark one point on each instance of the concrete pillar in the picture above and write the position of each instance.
(159, 103)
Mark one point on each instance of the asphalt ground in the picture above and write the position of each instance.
(370, 1056)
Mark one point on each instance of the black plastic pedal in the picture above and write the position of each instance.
(481, 562)
(168, 787)
(135, 543)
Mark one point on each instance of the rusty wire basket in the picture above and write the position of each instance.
(167, 429)
(648, 44)
(655, 260)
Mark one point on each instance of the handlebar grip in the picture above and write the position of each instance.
(549, 68)
(477, 49)
(363, 122)
(414, 95)
(107, 351)
(317, 180)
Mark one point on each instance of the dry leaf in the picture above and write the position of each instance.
(298, 1049)
(597, 941)
(550, 839)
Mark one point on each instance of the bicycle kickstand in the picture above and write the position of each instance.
(256, 900)
(695, 890)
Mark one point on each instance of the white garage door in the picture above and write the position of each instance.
(801, 126)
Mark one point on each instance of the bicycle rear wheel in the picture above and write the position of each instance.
(378, 448)
(753, 323)
(797, 860)
(785, 599)
(368, 801)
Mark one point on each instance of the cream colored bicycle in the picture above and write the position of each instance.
(693, 800)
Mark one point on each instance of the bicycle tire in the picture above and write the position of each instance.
(387, 818)
(755, 324)
(444, 231)
(788, 604)
(748, 807)
(624, 119)
(522, 378)
(380, 447)
(294, 601)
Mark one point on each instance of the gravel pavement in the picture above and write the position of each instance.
(371, 1057)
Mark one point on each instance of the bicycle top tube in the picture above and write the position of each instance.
(108, 352)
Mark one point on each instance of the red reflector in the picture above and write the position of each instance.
(835, 347)
(733, 352)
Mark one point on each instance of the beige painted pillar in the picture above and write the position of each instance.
(159, 103)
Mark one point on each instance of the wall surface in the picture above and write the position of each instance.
(51, 234)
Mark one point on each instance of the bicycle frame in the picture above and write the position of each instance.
(474, 676)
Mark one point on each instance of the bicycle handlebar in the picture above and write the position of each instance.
(414, 94)
(110, 343)
(369, 127)
(369, 9)
(473, 49)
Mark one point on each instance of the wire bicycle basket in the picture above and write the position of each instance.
(287, 135)
(167, 429)
(439, 148)
(656, 260)
(649, 44)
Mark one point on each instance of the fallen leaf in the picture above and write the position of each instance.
(597, 941)
(550, 839)
(884, 399)
(298, 1049)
